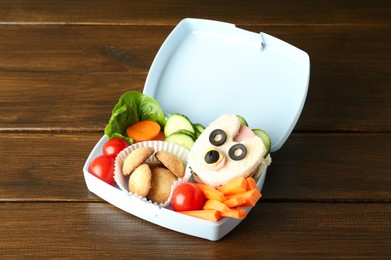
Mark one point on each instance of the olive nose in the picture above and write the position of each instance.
(212, 156)
(214, 159)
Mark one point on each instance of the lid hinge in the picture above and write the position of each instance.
(263, 45)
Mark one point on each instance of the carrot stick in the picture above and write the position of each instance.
(235, 202)
(235, 213)
(207, 214)
(215, 204)
(251, 197)
(251, 184)
(143, 130)
(234, 186)
(210, 192)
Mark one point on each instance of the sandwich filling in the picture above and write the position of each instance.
(226, 150)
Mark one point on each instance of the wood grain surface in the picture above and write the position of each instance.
(272, 230)
(63, 66)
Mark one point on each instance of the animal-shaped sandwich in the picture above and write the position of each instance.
(226, 150)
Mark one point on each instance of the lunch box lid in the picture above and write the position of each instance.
(208, 68)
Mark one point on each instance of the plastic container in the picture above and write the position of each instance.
(205, 69)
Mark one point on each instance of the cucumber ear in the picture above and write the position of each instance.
(265, 139)
(242, 120)
(199, 128)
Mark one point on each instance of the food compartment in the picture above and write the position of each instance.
(179, 151)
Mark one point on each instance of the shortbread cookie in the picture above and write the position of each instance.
(136, 158)
(162, 180)
(140, 180)
(171, 162)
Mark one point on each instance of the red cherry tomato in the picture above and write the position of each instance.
(103, 168)
(187, 196)
(114, 146)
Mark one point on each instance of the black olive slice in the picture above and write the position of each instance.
(212, 156)
(237, 152)
(217, 137)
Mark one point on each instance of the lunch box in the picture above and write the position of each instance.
(205, 69)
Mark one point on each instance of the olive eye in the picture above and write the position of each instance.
(213, 157)
(237, 152)
(217, 137)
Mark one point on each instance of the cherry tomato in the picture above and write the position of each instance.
(187, 196)
(103, 168)
(114, 146)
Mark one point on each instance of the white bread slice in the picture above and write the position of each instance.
(232, 169)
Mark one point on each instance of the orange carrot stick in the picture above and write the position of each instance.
(207, 214)
(251, 184)
(251, 197)
(235, 202)
(143, 130)
(210, 192)
(215, 204)
(234, 186)
(235, 213)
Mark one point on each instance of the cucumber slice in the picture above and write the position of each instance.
(265, 139)
(198, 129)
(186, 132)
(242, 120)
(181, 139)
(177, 122)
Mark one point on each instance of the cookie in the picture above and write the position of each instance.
(140, 180)
(171, 162)
(136, 158)
(162, 180)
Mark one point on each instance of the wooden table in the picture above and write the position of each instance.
(63, 66)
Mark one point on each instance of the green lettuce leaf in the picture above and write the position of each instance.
(132, 107)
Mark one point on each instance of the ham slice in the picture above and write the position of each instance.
(244, 132)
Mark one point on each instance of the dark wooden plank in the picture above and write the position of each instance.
(361, 12)
(350, 68)
(41, 166)
(309, 167)
(62, 101)
(332, 49)
(331, 167)
(80, 48)
(271, 230)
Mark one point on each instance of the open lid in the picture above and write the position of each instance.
(207, 68)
